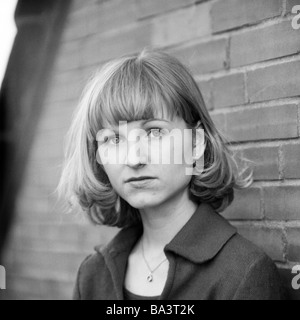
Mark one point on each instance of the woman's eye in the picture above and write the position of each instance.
(113, 140)
(116, 139)
(156, 132)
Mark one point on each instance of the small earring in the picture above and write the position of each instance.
(118, 204)
(194, 164)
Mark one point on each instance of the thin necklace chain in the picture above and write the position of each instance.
(150, 276)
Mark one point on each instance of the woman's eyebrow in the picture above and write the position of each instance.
(154, 119)
(114, 128)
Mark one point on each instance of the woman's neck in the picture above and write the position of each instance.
(163, 223)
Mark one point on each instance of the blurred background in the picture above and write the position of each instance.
(7, 32)
(245, 57)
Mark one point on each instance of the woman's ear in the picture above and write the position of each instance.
(200, 143)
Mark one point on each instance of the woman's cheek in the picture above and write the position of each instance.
(166, 152)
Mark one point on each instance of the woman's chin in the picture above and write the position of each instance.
(142, 201)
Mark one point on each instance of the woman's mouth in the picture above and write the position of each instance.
(139, 183)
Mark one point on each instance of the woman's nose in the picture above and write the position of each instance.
(136, 156)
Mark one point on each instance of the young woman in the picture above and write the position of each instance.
(173, 243)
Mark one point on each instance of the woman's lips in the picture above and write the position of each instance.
(141, 183)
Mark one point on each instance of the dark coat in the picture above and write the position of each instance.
(208, 260)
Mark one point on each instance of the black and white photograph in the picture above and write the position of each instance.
(150, 150)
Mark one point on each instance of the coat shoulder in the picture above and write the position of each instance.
(254, 273)
(243, 251)
(92, 275)
(92, 263)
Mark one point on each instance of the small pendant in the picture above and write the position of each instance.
(150, 278)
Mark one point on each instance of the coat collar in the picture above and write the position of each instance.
(200, 239)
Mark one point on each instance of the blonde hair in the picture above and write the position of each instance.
(133, 88)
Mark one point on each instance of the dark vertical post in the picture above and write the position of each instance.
(39, 24)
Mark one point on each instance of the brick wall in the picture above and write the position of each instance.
(245, 57)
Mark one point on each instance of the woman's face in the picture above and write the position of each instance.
(158, 149)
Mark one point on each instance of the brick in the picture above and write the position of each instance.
(79, 4)
(65, 233)
(103, 47)
(282, 202)
(32, 214)
(97, 18)
(68, 56)
(62, 266)
(245, 206)
(275, 122)
(146, 8)
(41, 210)
(219, 121)
(56, 116)
(264, 44)
(235, 13)
(54, 245)
(33, 189)
(51, 151)
(35, 179)
(203, 57)
(65, 86)
(38, 205)
(274, 82)
(52, 155)
(266, 162)
(51, 137)
(182, 25)
(71, 238)
(229, 90)
(30, 288)
(262, 123)
(30, 194)
(206, 90)
(270, 239)
(291, 161)
(293, 250)
(40, 172)
(290, 4)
